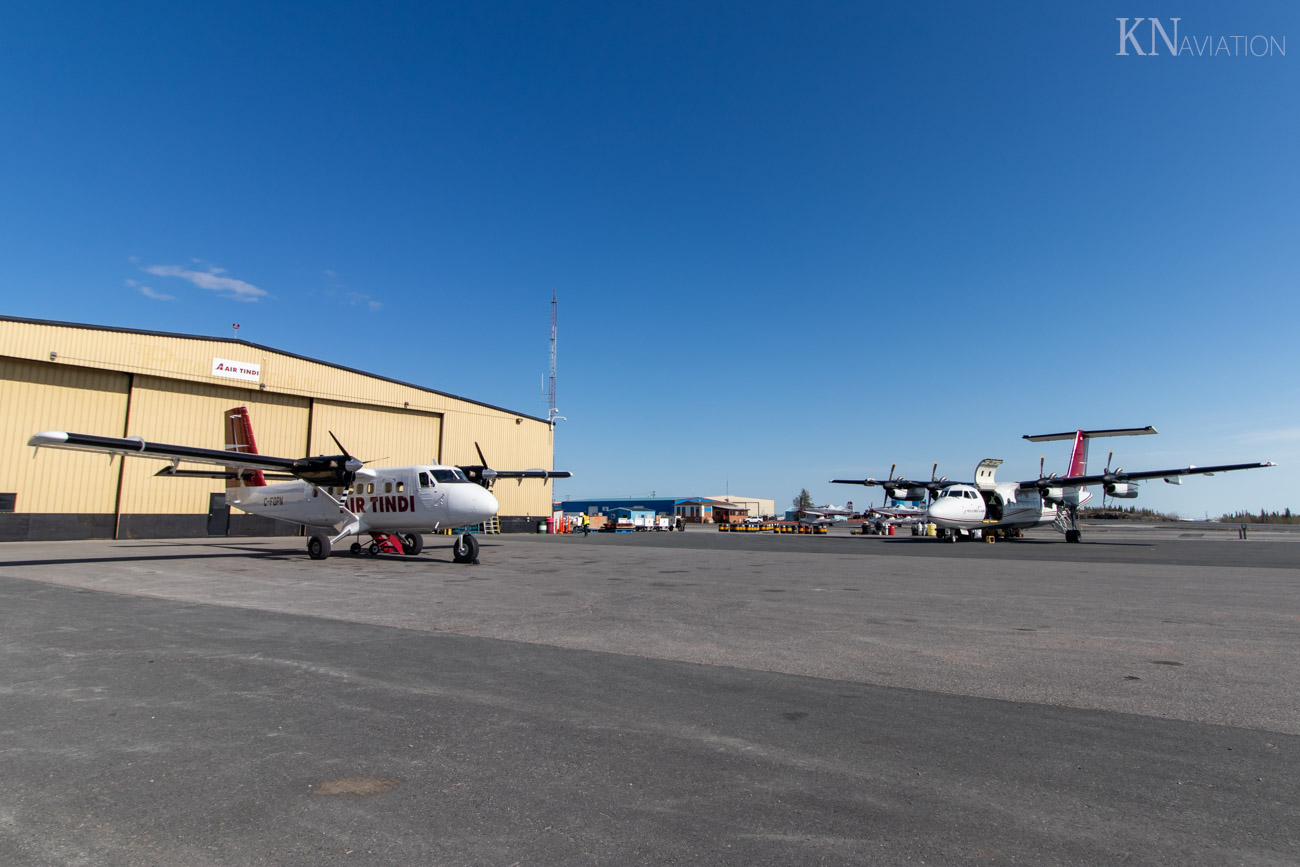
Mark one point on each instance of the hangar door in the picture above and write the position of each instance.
(39, 396)
(384, 436)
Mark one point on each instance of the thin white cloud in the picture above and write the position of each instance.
(156, 295)
(212, 279)
(360, 299)
(336, 289)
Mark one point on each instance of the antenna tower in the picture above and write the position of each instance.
(552, 414)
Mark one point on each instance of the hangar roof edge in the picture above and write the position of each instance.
(237, 341)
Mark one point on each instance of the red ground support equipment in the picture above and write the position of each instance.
(388, 544)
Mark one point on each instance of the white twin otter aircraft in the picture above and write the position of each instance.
(333, 496)
(991, 509)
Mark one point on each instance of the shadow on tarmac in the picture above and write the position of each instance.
(227, 552)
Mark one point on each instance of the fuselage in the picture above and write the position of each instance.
(964, 507)
(392, 499)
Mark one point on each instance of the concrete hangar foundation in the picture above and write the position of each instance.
(174, 388)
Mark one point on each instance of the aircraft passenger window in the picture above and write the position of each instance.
(401, 487)
(370, 488)
(388, 487)
(425, 482)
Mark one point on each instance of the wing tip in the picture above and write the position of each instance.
(49, 438)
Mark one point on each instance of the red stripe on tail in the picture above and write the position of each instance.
(1079, 457)
(239, 438)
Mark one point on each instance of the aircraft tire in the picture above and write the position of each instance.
(465, 550)
(412, 544)
(374, 549)
(318, 546)
(355, 549)
(1073, 535)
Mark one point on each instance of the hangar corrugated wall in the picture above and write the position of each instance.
(163, 387)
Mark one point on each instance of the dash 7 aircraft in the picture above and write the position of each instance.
(991, 509)
(334, 496)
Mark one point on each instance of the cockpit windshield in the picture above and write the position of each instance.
(445, 475)
(448, 474)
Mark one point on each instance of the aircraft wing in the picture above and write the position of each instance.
(897, 512)
(323, 470)
(532, 474)
(1126, 476)
(487, 476)
(927, 484)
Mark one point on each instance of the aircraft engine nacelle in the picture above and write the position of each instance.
(1054, 495)
(907, 494)
(337, 471)
(1122, 490)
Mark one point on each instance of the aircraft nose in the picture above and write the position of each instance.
(473, 504)
(939, 510)
(485, 504)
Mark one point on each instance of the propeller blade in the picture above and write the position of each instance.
(481, 459)
(351, 464)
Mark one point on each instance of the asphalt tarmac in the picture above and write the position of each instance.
(695, 698)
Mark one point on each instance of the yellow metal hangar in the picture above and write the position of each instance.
(174, 388)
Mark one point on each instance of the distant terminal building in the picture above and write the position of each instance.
(756, 507)
(695, 510)
(174, 388)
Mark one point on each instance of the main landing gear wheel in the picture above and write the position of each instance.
(465, 550)
(412, 544)
(1073, 535)
(318, 546)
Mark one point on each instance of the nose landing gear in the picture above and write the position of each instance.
(465, 550)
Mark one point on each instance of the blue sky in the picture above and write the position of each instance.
(791, 241)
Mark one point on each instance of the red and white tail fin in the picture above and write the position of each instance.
(1079, 455)
(239, 438)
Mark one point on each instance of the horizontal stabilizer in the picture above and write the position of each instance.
(1093, 434)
